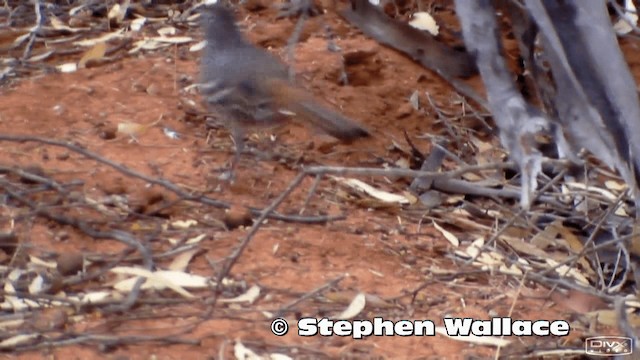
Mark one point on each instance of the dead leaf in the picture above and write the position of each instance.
(242, 352)
(424, 21)
(67, 68)
(629, 19)
(183, 224)
(95, 53)
(181, 262)
(578, 301)
(249, 297)
(355, 307)
(447, 235)
(610, 318)
(381, 195)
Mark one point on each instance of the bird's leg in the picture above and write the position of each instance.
(237, 134)
(297, 8)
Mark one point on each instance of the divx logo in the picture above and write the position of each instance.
(608, 346)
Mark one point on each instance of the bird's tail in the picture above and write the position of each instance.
(306, 108)
(330, 121)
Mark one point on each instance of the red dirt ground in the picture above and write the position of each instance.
(384, 253)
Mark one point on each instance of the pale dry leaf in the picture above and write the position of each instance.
(14, 341)
(483, 146)
(455, 199)
(249, 297)
(75, 10)
(171, 240)
(523, 247)
(605, 317)
(159, 42)
(402, 163)
(412, 198)
(40, 57)
(59, 25)
(177, 278)
(137, 24)
(118, 12)
(447, 235)
(377, 301)
(381, 195)
(95, 53)
(632, 301)
(575, 244)
(564, 270)
(242, 352)
(16, 305)
(629, 19)
(184, 279)
(433, 269)
(152, 282)
(105, 38)
(132, 129)
(96, 297)
(470, 252)
(355, 307)
(480, 340)
(43, 263)
(67, 68)
(621, 211)
(615, 186)
(12, 324)
(473, 177)
(376, 273)
(510, 270)
(167, 30)
(37, 285)
(547, 236)
(580, 186)
(183, 224)
(491, 258)
(414, 100)
(198, 46)
(20, 39)
(276, 356)
(196, 239)
(464, 219)
(479, 242)
(181, 262)
(159, 280)
(424, 21)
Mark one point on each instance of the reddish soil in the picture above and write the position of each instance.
(386, 254)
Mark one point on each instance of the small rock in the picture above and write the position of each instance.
(404, 110)
(8, 242)
(237, 216)
(153, 90)
(70, 263)
(108, 132)
(63, 156)
(62, 236)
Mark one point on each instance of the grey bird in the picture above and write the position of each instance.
(248, 86)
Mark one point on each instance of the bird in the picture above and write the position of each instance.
(248, 86)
